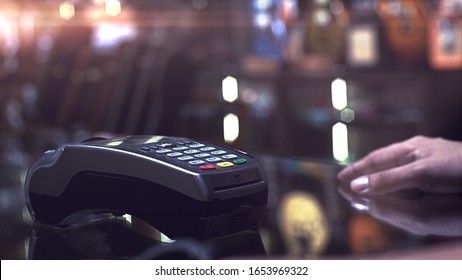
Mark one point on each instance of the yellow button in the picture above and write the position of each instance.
(225, 164)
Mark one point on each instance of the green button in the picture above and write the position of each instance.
(240, 161)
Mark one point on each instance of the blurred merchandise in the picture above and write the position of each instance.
(363, 39)
(445, 41)
(325, 31)
(405, 24)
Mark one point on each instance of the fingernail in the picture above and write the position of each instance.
(360, 184)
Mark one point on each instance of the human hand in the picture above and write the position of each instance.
(429, 164)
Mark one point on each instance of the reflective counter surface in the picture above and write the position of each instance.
(309, 216)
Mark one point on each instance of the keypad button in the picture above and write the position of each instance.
(225, 164)
(163, 151)
(185, 158)
(181, 148)
(196, 145)
(196, 162)
(206, 149)
(240, 161)
(208, 167)
(191, 152)
(175, 154)
(145, 149)
(230, 156)
(164, 145)
(218, 152)
(203, 155)
(214, 159)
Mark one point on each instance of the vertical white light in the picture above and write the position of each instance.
(340, 142)
(230, 128)
(229, 89)
(339, 94)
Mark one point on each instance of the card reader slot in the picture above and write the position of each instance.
(234, 179)
(235, 186)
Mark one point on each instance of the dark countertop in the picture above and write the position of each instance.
(308, 216)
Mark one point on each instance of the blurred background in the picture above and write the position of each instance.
(322, 79)
(314, 78)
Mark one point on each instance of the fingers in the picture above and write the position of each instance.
(389, 180)
(431, 165)
(389, 157)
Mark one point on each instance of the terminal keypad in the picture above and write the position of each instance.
(205, 157)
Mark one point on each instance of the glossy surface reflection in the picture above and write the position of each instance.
(308, 216)
(109, 237)
(311, 216)
(415, 212)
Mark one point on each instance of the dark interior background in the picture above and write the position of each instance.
(156, 67)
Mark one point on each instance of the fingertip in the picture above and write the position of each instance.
(360, 184)
(388, 181)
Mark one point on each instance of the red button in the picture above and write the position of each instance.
(207, 167)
